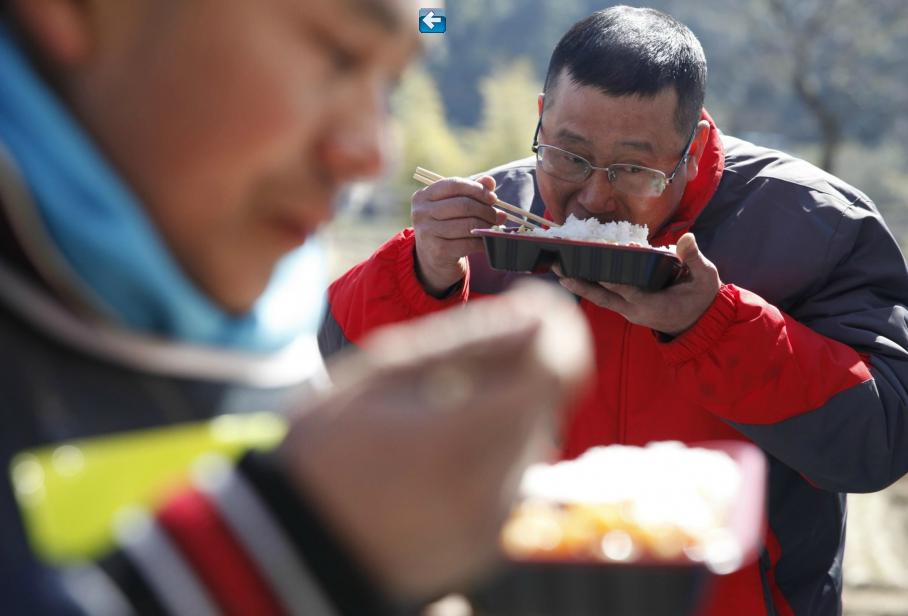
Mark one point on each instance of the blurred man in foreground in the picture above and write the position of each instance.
(788, 329)
(162, 164)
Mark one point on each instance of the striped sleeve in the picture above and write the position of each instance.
(239, 540)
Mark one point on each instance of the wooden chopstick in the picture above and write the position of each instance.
(430, 176)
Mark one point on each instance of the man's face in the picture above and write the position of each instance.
(605, 130)
(237, 121)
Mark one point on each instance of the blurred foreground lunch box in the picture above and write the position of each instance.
(645, 587)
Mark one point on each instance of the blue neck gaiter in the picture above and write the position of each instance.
(102, 231)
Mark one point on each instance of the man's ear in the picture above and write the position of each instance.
(697, 147)
(541, 103)
(58, 30)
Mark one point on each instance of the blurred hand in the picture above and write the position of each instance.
(670, 311)
(443, 215)
(416, 454)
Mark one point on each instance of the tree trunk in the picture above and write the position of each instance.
(829, 123)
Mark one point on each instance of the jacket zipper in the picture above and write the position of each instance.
(624, 363)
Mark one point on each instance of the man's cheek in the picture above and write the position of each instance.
(552, 199)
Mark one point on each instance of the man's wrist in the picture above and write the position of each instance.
(706, 331)
(438, 290)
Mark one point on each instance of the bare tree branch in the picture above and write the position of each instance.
(803, 36)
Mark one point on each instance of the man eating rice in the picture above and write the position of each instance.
(789, 330)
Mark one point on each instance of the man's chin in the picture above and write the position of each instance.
(237, 305)
(236, 292)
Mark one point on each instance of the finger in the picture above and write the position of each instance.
(465, 339)
(564, 338)
(556, 267)
(477, 330)
(508, 384)
(697, 269)
(597, 294)
(448, 251)
(690, 254)
(461, 187)
(629, 293)
(456, 207)
(454, 229)
(488, 181)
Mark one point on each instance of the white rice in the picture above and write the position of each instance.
(590, 229)
(666, 474)
(666, 491)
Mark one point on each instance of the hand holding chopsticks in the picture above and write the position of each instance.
(511, 212)
(444, 217)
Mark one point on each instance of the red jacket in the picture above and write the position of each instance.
(803, 352)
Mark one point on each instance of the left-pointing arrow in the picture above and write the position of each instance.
(430, 20)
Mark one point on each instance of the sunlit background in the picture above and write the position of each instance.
(823, 79)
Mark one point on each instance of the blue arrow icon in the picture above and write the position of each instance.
(432, 21)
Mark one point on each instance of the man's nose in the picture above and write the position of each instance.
(597, 194)
(355, 144)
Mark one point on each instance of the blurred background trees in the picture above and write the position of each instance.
(429, 138)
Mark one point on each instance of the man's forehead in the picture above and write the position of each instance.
(570, 99)
(585, 116)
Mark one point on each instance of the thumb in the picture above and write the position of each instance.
(689, 252)
(488, 181)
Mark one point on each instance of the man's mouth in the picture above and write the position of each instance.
(291, 230)
(583, 214)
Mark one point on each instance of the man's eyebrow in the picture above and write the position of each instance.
(569, 135)
(379, 11)
(645, 146)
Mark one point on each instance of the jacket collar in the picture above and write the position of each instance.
(699, 191)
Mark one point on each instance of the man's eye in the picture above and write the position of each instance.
(343, 59)
(571, 159)
(343, 56)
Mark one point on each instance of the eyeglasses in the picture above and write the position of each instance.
(629, 179)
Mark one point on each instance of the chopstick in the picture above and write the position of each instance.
(430, 177)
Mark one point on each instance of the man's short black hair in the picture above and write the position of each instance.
(629, 51)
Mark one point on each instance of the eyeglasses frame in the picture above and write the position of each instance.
(685, 155)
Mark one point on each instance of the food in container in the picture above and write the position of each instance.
(627, 531)
(611, 252)
(621, 503)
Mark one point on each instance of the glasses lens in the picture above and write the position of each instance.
(638, 181)
(561, 164)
